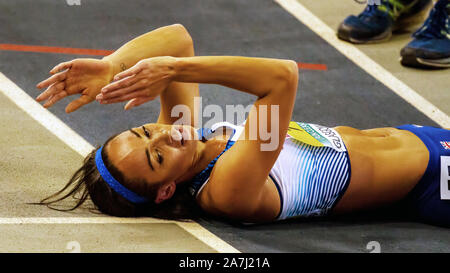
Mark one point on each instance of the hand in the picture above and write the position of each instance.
(139, 84)
(79, 76)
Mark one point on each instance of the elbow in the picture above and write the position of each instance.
(179, 28)
(291, 72)
(178, 35)
(288, 76)
(183, 33)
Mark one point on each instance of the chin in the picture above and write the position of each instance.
(191, 145)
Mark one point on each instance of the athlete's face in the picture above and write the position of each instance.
(155, 153)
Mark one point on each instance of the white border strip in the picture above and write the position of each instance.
(207, 237)
(44, 117)
(366, 63)
(80, 220)
(81, 146)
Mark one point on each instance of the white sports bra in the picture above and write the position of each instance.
(311, 172)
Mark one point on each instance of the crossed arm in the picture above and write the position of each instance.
(173, 76)
(87, 76)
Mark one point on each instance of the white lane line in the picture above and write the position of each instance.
(193, 228)
(80, 220)
(207, 237)
(81, 146)
(362, 60)
(44, 117)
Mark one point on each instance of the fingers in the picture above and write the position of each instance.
(55, 98)
(74, 105)
(114, 86)
(59, 77)
(129, 72)
(136, 102)
(61, 66)
(125, 97)
(128, 86)
(74, 88)
(50, 91)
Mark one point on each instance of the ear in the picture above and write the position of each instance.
(165, 192)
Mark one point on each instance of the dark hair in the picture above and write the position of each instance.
(88, 183)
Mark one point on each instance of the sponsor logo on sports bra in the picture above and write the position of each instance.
(316, 135)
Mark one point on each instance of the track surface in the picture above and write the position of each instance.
(36, 163)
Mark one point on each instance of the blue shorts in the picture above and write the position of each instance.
(429, 200)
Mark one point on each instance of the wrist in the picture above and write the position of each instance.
(114, 67)
(169, 63)
(179, 67)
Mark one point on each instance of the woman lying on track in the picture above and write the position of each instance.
(174, 171)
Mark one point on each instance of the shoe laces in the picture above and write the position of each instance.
(436, 26)
(393, 8)
(370, 11)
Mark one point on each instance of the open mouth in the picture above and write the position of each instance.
(184, 137)
(186, 134)
(179, 136)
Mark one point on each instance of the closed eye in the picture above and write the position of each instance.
(160, 158)
(148, 159)
(147, 134)
(134, 132)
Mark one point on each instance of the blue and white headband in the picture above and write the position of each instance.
(114, 184)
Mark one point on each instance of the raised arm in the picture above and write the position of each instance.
(237, 180)
(173, 40)
(236, 183)
(88, 76)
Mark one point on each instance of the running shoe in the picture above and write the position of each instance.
(430, 46)
(377, 22)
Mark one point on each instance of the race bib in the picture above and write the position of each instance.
(445, 178)
(316, 135)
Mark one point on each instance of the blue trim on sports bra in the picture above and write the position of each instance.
(203, 133)
(198, 180)
(201, 178)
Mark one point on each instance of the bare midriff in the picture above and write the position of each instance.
(386, 164)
